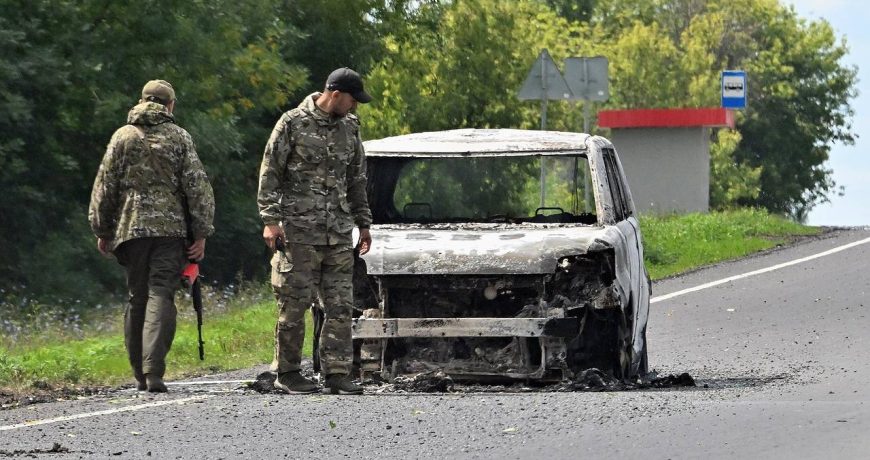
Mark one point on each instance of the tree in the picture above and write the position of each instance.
(71, 70)
(802, 108)
(460, 64)
(731, 182)
(38, 170)
(572, 10)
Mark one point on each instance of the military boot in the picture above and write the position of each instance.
(155, 383)
(141, 385)
(340, 384)
(294, 383)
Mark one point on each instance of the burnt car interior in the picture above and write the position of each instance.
(493, 189)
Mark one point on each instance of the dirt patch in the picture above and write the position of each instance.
(42, 392)
(55, 449)
(6, 399)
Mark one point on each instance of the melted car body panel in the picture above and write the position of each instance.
(467, 142)
(476, 249)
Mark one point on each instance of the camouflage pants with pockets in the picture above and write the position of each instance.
(153, 267)
(300, 274)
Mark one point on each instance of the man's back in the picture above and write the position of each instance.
(149, 174)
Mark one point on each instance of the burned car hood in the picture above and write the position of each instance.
(477, 249)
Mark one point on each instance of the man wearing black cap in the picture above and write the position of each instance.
(312, 193)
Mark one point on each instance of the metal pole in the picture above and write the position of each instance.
(575, 194)
(543, 126)
(586, 116)
(544, 92)
(575, 200)
(544, 112)
(587, 195)
(586, 191)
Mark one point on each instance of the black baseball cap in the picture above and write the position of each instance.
(348, 81)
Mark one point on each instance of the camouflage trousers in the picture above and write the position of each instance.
(300, 274)
(153, 268)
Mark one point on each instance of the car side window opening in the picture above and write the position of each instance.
(494, 189)
(617, 192)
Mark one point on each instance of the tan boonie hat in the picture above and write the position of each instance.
(160, 90)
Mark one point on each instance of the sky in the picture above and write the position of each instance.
(850, 163)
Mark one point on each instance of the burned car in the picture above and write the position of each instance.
(500, 253)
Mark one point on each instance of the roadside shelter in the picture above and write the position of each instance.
(666, 155)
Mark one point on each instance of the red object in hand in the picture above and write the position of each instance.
(190, 274)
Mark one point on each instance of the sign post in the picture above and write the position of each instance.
(734, 89)
(588, 79)
(544, 82)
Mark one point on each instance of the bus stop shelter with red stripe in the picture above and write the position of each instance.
(665, 154)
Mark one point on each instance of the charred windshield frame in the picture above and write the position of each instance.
(481, 189)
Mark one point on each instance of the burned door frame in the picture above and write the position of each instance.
(626, 222)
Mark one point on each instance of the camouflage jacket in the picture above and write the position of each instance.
(149, 173)
(313, 176)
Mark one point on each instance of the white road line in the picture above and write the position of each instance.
(67, 418)
(758, 272)
(210, 382)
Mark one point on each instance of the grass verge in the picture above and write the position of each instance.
(239, 332)
(238, 336)
(678, 243)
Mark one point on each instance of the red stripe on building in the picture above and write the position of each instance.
(666, 118)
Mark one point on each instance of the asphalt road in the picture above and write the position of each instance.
(780, 358)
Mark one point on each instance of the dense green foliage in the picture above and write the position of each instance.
(70, 70)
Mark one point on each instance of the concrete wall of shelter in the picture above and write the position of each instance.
(668, 169)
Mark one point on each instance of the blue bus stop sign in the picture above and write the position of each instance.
(734, 89)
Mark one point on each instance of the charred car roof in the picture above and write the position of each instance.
(479, 142)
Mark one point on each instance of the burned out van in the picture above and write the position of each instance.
(500, 253)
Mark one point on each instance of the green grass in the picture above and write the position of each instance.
(239, 328)
(677, 243)
(239, 336)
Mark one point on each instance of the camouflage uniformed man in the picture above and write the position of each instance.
(151, 193)
(312, 193)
